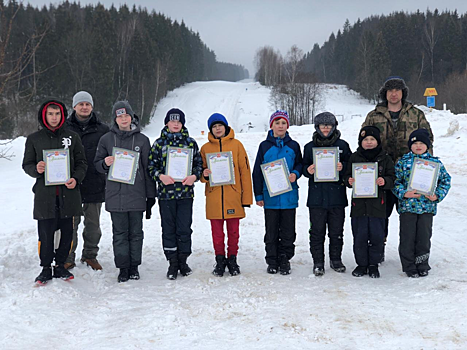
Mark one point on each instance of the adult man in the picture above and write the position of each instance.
(85, 123)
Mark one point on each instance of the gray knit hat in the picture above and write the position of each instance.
(82, 96)
(393, 83)
(122, 107)
(325, 118)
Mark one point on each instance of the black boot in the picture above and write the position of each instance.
(284, 266)
(124, 275)
(337, 266)
(61, 272)
(219, 268)
(272, 269)
(133, 273)
(373, 271)
(318, 269)
(45, 275)
(172, 272)
(232, 265)
(359, 271)
(183, 266)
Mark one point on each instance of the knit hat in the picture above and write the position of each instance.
(277, 115)
(82, 96)
(393, 83)
(325, 118)
(175, 114)
(122, 107)
(421, 135)
(369, 131)
(217, 118)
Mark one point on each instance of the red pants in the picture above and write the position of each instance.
(217, 228)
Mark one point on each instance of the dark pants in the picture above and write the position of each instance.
(368, 240)
(280, 234)
(127, 228)
(333, 218)
(233, 235)
(46, 229)
(176, 219)
(415, 241)
(391, 201)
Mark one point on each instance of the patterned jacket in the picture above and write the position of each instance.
(420, 205)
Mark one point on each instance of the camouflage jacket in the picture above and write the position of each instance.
(394, 142)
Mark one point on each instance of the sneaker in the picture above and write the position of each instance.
(172, 272)
(373, 271)
(232, 266)
(185, 270)
(272, 269)
(423, 273)
(61, 272)
(318, 269)
(45, 275)
(93, 263)
(133, 273)
(359, 271)
(219, 268)
(412, 274)
(69, 265)
(284, 267)
(124, 275)
(337, 266)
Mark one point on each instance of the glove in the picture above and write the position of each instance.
(149, 204)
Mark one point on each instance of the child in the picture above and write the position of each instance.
(369, 214)
(279, 211)
(326, 200)
(54, 206)
(416, 210)
(175, 198)
(226, 203)
(125, 202)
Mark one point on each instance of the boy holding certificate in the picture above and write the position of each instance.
(327, 199)
(123, 154)
(55, 157)
(280, 208)
(175, 164)
(228, 192)
(418, 201)
(370, 171)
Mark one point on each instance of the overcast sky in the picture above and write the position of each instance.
(235, 29)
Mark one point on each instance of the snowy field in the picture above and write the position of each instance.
(254, 310)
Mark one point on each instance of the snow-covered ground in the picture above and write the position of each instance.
(254, 310)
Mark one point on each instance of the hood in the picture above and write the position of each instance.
(41, 114)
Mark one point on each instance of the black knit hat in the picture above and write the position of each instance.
(421, 135)
(325, 118)
(175, 114)
(393, 83)
(369, 131)
(122, 107)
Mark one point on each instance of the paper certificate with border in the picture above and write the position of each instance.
(424, 176)
(325, 161)
(222, 169)
(57, 166)
(276, 174)
(179, 162)
(124, 167)
(365, 175)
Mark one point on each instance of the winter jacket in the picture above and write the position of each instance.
(420, 205)
(395, 141)
(228, 201)
(372, 207)
(93, 186)
(326, 194)
(271, 149)
(157, 163)
(45, 196)
(121, 197)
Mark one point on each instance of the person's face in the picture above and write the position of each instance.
(83, 109)
(53, 116)
(418, 147)
(325, 129)
(124, 122)
(369, 142)
(279, 127)
(218, 130)
(394, 96)
(174, 126)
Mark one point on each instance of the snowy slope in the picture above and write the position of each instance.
(254, 310)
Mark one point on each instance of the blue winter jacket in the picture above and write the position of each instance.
(420, 205)
(271, 149)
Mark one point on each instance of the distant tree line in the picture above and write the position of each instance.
(124, 53)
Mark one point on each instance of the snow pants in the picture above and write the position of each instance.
(233, 235)
(280, 234)
(127, 228)
(368, 242)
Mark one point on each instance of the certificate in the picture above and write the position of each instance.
(222, 170)
(276, 174)
(365, 175)
(424, 176)
(325, 161)
(178, 163)
(57, 166)
(124, 167)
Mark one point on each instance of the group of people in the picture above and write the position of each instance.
(396, 132)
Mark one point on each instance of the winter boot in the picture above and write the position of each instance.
(423, 273)
(133, 273)
(412, 274)
(232, 265)
(272, 269)
(373, 271)
(124, 275)
(337, 266)
(284, 266)
(69, 265)
(359, 271)
(318, 269)
(219, 268)
(183, 266)
(45, 275)
(93, 263)
(61, 272)
(172, 272)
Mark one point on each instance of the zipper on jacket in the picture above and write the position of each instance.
(222, 187)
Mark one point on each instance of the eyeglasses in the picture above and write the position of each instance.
(325, 126)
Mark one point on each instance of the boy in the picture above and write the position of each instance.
(279, 211)
(54, 206)
(175, 198)
(417, 210)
